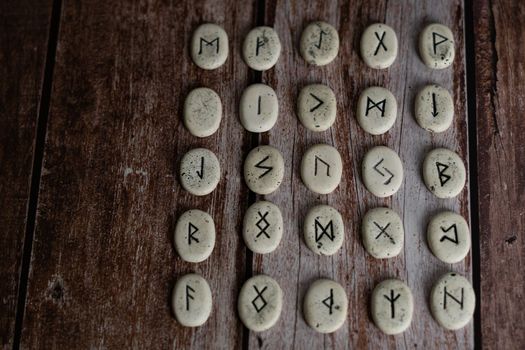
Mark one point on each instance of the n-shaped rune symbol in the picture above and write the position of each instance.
(381, 43)
(263, 224)
(445, 237)
(329, 301)
(382, 174)
(325, 163)
(447, 294)
(260, 297)
(392, 299)
(382, 231)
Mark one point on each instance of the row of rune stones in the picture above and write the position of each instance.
(319, 45)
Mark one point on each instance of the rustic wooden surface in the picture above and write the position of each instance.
(500, 88)
(102, 263)
(23, 47)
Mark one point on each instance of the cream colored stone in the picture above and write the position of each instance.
(434, 108)
(321, 168)
(319, 43)
(382, 171)
(194, 236)
(436, 46)
(261, 48)
(264, 169)
(260, 303)
(379, 46)
(383, 233)
(209, 46)
(191, 300)
(200, 171)
(376, 110)
(325, 306)
(262, 227)
(324, 230)
(259, 108)
(444, 173)
(452, 301)
(392, 306)
(316, 107)
(202, 112)
(448, 237)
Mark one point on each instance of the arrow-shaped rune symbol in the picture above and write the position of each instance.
(434, 105)
(318, 45)
(319, 102)
(201, 173)
(382, 174)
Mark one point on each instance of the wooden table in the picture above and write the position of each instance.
(91, 137)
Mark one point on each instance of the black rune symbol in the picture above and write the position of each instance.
(201, 173)
(445, 237)
(189, 296)
(260, 43)
(329, 301)
(391, 175)
(325, 163)
(208, 43)
(267, 168)
(263, 224)
(382, 231)
(443, 178)
(370, 104)
(392, 299)
(447, 294)
(321, 231)
(381, 43)
(318, 45)
(192, 230)
(434, 105)
(440, 40)
(319, 102)
(260, 297)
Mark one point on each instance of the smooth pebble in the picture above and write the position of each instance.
(444, 173)
(202, 112)
(258, 108)
(379, 46)
(319, 43)
(264, 169)
(316, 107)
(262, 227)
(325, 306)
(200, 171)
(324, 230)
(209, 46)
(376, 110)
(434, 108)
(448, 237)
(191, 300)
(382, 171)
(392, 306)
(321, 168)
(261, 48)
(194, 236)
(383, 233)
(436, 46)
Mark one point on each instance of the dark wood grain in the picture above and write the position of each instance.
(293, 265)
(24, 28)
(499, 35)
(103, 262)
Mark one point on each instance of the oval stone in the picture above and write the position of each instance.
(191, 300)
(263, 227)
(379, 46)
(200, 171)
(259, 108)
(261, 48)
(382, 171)
(209, 46)
(325, 306)
(264, 169)
(376, 110)
(436, 46)
(319, 43)
(321, 168)
(202, 112)
(382, 232)
(316, 107)
(194, 236)
(392, 306)
(448, 237)
(324, 230)
(444, 173)
(434, 108)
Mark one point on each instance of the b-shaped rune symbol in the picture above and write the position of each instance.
(192, 230)
(443, 178)
(201, 173)
(381, 43)
(325, 163)
(267, 168)
(319, 102)
(392, 299)
(455, 240)
(370, 104)
(263, 224)
(382, 231)
(260, 297)
(321, 33)
(382, 174)
(324, 231)
(208, 43)
(447, 294)
(440, 40)
(189, 296)
(329, 301)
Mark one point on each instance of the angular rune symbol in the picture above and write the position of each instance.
(324, 231)
(329, 301)
(443, 178)
(208, 43)
(201, 173)
(392, 299)
(189, 296)
(381, 43)
(382, 174)
(325, 163)
(259, 296)
(441, 40)
(192, 230)
(434, 105)
(455, 240)
(263, 224)
(260, 43)
(318, 45)
(264, 167)
(319, 102)
(382, 231)
(460, 302)
(370, 104)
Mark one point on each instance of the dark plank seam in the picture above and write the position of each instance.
(470, 56)
(43, 114)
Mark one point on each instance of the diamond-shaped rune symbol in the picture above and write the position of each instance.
(259, 302)
(263, 224)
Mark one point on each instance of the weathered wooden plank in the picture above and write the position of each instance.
(499, 35)
(103, 264)
(293, 265)
(24, 28)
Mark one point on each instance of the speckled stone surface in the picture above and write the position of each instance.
(325, 306)
(392, 306)
(434, 108)
(448, 237)
(379, 46)
(260, 303)
(319, 43)
(259, 108)
(261, 48)
(444, 173)
(321, 168)
(262, 227)
(324, 230)
(452, 301)
(191, 300)
(194, 236)
(316, 107)
(376, 110)
(202, 112)
(382, 233)
(382, 171)
(209, 46)
(200, 171)
(264, 169)
(436, 46)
